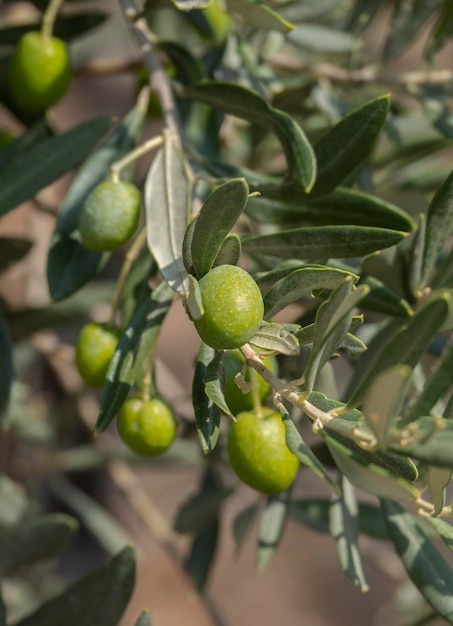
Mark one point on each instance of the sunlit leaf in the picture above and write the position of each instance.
(271, 527)
(167, 194)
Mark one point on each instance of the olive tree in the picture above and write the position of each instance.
(299, 205)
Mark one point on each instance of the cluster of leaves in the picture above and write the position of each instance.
(318, 186)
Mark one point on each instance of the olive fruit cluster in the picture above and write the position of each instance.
(109, 216)
(39, 73)
(233, 308)
(258, 452)
(147, 427)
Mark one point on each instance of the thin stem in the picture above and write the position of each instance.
(159, 82)
(149, 145)
(49, 18)
(129, 259)
(149, 388)
(255, 391)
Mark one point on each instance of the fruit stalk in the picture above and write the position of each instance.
(149, 145)
(49, 18)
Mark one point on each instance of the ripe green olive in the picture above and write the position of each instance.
(258, 452)
(147, 428)
(95, 347)
(233, 308)
(39, 73)
(109, 216)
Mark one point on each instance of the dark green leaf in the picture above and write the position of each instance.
(341, 206)
(322, 242)
(96, 519)
(344, 529)
(69, 264)
(323, 39)
(216, 218)
(207, 413)
(100, 598)
(137, 289)
(12, 250)
(248, 105)
(302, 451)
(259, 15)
(38, 538)
(230, 251)
(444, 530)
(425, 566)
(300, 284)
(408, 344)
(348, 143)
(271, 527)
(314, 512)
(204, 544)
(441, 33)
(438, 226)
(435, 388)
(168, 191)
(132, 353)
(407, 21)
(199, 511)
(22, 144)
(6, 367)
(242, 524)
(47, 161)
(2, 611)
(144, 619)
(214, 382)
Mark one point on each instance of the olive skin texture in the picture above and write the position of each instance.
(233, 308)
(235, 399)
(95, 347)
(147, 428)
(258, 452)
(40, 72)
(109, 216)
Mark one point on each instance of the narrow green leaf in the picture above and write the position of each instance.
(383, 400)
(132, 353)
(444, 530)
(349, 421)
(259, 15)
(47, 161)
(216, 218)
(38, 538)
(187, 247)
(431, 441)
(271, 526)
(246, 104)
(137, 288)
(33, 136)
(300, 284)
(370, 477)
(382, 299)
(348, 143)
(323, 39)
(168, 192)
(230, 251)
(144, 619)
(438, 480)
(242, 524)
(341, 206)
(407, 21)
(313, 243)
(99, 522)
(425, 566)
(204, 545)
(275, 338)
(189, 5)
(100, 598)
(214, 381)
(302, 451)
(438, 226)
(314, 512)
(207, 413)
(441, 33)
(199, 511)
(407, 345)
(6, 368)
(12, 250)
(344, 529)
(439, 383)
(69, 264)
(333, 320)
